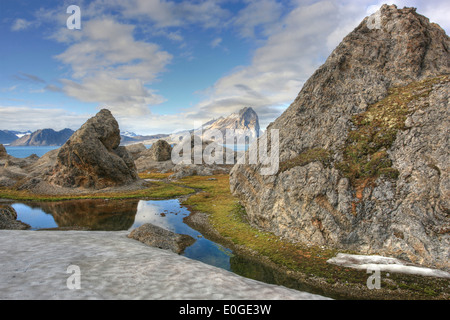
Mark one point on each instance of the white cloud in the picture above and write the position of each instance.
(31, 118)
(124, 97)
(28, 77)
(264, 14)
(165, 14)
(112, 68)
(278, 68)
(21, 24)
(297, 44)
(216, 42)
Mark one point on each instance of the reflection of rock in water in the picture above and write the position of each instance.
(108, 215)
(253, 269)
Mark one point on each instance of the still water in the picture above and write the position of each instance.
(23, 152)
(116, 215)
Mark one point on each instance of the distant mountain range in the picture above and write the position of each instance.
(8, 136)
(44, 137)
(245, 119)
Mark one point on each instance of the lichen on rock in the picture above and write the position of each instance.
(379, 107)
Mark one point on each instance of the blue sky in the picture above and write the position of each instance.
(163, 66)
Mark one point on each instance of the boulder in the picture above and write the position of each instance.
(364, 147)
(203, 160)
(135, 150)
(92, 157)
(3, 153)
(8, 219)
(161, 238)
(159, 151)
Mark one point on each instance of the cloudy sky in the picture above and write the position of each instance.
(166, 65)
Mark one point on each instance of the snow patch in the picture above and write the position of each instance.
(35, 265)
(385, 264)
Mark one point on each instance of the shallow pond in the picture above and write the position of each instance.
(116, 215)
(113, 215)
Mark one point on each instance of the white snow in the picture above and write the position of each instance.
(385, 264)
(35, 264)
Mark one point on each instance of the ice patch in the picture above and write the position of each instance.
(35, 265)
(385, 264)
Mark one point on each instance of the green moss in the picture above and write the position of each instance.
(155, 175)
(308, 156)
(365, 153)
(156, 190)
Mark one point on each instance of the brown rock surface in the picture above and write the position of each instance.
(161, 238)
(8, 219)
(3, 152)
(159, 151)
(92, 157)
(364, 147)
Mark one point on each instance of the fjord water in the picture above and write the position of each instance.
(23, 151)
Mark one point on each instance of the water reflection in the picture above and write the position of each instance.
(83, 214)
(115, 215)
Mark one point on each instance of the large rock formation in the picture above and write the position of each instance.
(92, 157)
(364, 147)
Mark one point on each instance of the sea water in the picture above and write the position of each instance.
(23, 152)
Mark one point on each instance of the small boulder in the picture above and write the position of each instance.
(135, 150)
(159, 151)
(3, 152)
(158, 237)
(8, 219)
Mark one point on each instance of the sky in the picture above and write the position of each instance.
(163, 66)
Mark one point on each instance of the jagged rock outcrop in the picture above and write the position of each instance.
(364, 147)
(92, 157)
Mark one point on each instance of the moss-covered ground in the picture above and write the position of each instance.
(309, 263)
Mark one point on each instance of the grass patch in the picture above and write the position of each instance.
(155, 175)
(365, 153)
(156, 190)
(308, 156)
